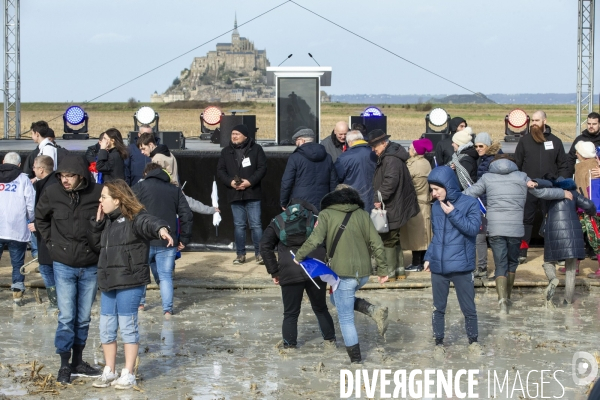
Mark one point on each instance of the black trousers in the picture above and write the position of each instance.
(292, 300)
(465, 292)
(531, 205)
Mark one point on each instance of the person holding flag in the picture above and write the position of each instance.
(348, 233)
(286, 233)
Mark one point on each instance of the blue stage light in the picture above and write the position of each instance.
(372, 111)
(75, 115)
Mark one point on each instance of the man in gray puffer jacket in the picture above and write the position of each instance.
(506, 189)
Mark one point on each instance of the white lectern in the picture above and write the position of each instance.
(298, 99)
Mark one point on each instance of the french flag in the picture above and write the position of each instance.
(318, 269)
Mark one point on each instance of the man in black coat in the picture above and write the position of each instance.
(591, 134)
(165, 201)
(539, 153)
(309, 173)
(43, 167)
(392, 180)
(444, 149)
(241, 168)
(62, 217)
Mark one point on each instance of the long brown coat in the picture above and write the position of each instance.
(416, 234)
(582, 174)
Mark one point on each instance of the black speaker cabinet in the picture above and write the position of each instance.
(229, 121)
(371, 123)
(133, 137)
(76, 136)
(174, 140)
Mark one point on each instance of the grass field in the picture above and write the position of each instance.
(403, 122)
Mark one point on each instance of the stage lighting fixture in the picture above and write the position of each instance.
(75, 115)
(437, 117)
(516, 125)
(211, 116)
(145, 115)
(372, 111)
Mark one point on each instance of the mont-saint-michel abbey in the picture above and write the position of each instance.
(235, 71)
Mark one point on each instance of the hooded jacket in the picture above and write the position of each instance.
(283, 266)
(123, 247)
(163, 157)
(563, 235)
(62, 216)
(392, 179)
(452, 247)
(539, 159)
(444, 149)
(572, 155)
(352, 257)
(309, 175)
(356, 167)
(165, 201)
(506, 189)
(230, 165)
(17, 198)
(333, 147)
(111, 165)
(39, 186)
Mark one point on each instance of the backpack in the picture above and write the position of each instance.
(295, 220)
(61, 152)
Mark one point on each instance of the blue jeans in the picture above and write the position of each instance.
(47, 273)
(75, 291)
(505, 250)
(162, 263)
(34, 246)
(343, 299)
(246, 210)
(119, 309)
(16, 250)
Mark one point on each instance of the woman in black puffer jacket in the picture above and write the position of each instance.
(563, 236)
(120, 234)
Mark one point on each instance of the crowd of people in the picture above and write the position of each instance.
(105, 221)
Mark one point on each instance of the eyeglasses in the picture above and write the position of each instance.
(480, 146)
(67, 176)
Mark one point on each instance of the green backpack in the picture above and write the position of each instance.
(295, 220)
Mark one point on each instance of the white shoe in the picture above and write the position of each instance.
(125, 381)
(106, 379)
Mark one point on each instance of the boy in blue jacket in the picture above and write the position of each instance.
(455, 220)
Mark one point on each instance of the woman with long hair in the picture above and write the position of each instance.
(120, 234)
(112, 156)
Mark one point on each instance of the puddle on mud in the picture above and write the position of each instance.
(222, 344)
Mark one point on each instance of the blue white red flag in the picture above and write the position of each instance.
(318, 269)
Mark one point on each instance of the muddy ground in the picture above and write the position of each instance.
(221, 344)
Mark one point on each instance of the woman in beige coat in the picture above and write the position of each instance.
(415, 235)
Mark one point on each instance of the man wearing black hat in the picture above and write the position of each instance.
(241, 168)
(444, 149)
(309, 173)
(393, 182)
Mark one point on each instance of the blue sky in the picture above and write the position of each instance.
(73, 50)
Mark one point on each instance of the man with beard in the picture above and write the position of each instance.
(444, 148)
(538, 154)
(335, 144)
(591, 134)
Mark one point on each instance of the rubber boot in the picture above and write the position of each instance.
(354, 353)
(378, 313)
(501, 288)
(52, 297)
(509, 286)
(553, 281)
(400, 272)
(571, 272)
(392, 261)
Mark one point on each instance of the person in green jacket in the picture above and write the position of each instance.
(351, 260)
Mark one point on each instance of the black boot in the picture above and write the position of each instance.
(354, 353)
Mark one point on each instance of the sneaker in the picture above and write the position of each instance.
(168, 315)
(480, 273)
(239, 260)
(414, 268)
(64, 376)
(125, 381)
(86, 370)
(18, 297)
(259, 260)
(106, 379)
(563, 270)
